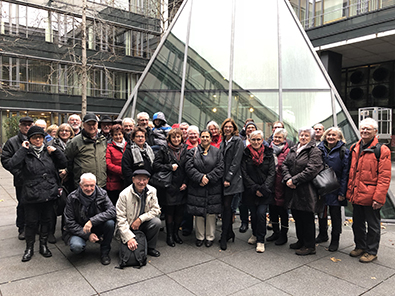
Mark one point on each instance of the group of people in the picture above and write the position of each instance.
(130, 174)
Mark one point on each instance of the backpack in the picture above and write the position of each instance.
(136, 258)
(376, 150)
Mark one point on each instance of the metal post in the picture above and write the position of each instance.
(280, 78)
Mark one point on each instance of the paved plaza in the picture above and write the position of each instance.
(189, 270)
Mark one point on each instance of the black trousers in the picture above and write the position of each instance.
(35, 214)
(20, 210)
(151, 230)
(305, 227)
(277, 212)
(366, 238)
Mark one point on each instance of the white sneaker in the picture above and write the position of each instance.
(260, 247)
(252, 240)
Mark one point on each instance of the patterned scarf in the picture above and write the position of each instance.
(137, 153)
(257, 156)
(38, 150)
(175, 149)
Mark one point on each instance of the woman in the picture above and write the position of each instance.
(232, 150)
(301, 165)
(172, 158)
(278, 209)
(336, 156)
(258, 174)
(51, 132)
(63, 134)
(193, 137)
(204, 168)
(115, 150)
(39, 165)
(138, 155)
(213, 127)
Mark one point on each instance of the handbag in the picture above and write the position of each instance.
(326, 181)
(136, 258)
(162, 179)
(60, 202)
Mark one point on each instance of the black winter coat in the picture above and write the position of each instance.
(259, 178)
(207, 199)
(233, 152)
(10, 148)
(39, 175)
(164, 159)
(302, 168)
(75, 217)
(129, 165)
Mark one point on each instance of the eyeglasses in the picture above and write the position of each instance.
(64, 131)
(255, 140)
(277, 127)
(26, 123)
(366, 129)
(139, 137)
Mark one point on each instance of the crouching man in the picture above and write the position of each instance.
(89, 215)
(137, 209)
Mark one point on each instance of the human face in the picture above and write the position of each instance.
(278, 139)
(118, 137)
(256, 141)
(91, 128)
(128, 126)
(53, 133)
(75, 122)
(184, 129)
(43, 126)
(213, 130)
(367, 133)
(319, 131)
(64, 133)
(140, 182)
(332, 138)
(193, 136)
(24, 127)
(143, 121)
(36, 140)
(206, 139)
(176, 139)
(88, 187)
(106, 127)
(304, 138)
(228, 129)
(139, 139)
(250, 129)
(276, 126)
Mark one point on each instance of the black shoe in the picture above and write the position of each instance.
(275, 236)
(51, 238)
(105, 259)
(282, 240)
(21, 235)
(223, 244)
(153, 253)
(334, 244)
(199, 243)
(296, 246)
(321, 239)
(186, 232)
(209, 243)
(305, 251)
(177, 238)
(28, 253)
(170, 241)
(243, 228)
(45, 251)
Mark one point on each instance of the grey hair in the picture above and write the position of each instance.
(319, 124)
(309, 130)
(212, 122)
(87, 176)
(41, 121)
(369, 121)
(193, 127)
(128, 119)
(282, 131)
(255, 133)
(74, 115)
(184, 123)
(142, 114)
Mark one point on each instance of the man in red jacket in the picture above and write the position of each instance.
(369, 180)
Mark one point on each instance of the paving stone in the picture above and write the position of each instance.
(262, 289)
(384, 288)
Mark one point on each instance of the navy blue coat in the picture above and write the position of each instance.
(341, 168)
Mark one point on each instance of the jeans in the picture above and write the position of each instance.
(105, 229)
(258, 221)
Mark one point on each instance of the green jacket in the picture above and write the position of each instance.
(85, 155)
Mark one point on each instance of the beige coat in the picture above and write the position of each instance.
(128, 208)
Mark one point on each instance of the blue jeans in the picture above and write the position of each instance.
(258, 221)
(105, 229)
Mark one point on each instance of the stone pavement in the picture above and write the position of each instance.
(189, 270)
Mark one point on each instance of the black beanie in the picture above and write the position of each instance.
(35, 130)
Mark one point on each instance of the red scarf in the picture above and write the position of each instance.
(216, 141)
(257, 156)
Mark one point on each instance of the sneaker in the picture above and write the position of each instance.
(356, 252)
(260, 247)
(367, 258)
(305, 251)
(252, 240)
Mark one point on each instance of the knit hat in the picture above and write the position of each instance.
(35, 130)
(249, 123)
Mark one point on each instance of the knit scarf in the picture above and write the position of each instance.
(257, 155)
(137, 153)
(38, 150)
(175, 149)
(120, 145)
(277, 149)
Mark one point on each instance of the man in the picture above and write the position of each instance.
(89, 215)
(242, 133)
(10, 148)
(137, 209)
(319, 131)
(105, 125)
(276, 125)
(143, 120)
(127, 125)
(75, 123)
(41, 123)
(86, 152)
(369, 180)
(184, 128)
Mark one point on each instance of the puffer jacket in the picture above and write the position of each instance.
(258, 178)
(39, 174)
(233, 153)
(10, 148)
(86, 155)
(160, 132)
(369, 179)
(302, 168)
(75, 217)
(207, 199)
(341, 167)
(114, 167)
(128, 210)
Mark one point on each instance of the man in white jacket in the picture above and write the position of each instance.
(138, 208)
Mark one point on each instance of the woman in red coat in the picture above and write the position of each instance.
(115, 150)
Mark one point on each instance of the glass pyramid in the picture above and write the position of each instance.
(242, 60)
